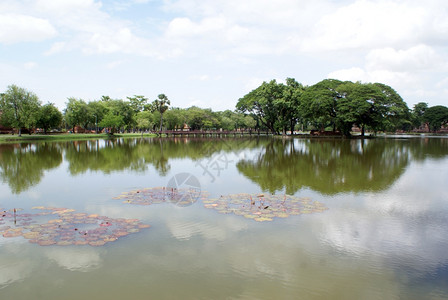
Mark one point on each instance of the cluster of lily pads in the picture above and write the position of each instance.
(157, 195)
(63, 227)
(260, 207)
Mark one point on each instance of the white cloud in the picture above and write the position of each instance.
(23, 28)
(184, 27)
(420, 57)
(391, 41)
(367, 24)
(115, 64)
(30, 65)
(66, 6)
(350, 74)
(406, 70)
(56, 48)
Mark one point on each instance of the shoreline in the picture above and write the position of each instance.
(9, 138)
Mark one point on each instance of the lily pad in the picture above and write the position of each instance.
(158, 195)
(64, 227)
(264, 207)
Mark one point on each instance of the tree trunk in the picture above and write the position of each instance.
(161, 122)
(363, 130)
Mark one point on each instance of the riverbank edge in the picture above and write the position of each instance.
(9, 138)
(5, 139)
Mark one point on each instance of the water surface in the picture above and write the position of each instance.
(383, 237)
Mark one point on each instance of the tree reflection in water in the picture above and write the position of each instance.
(328, 166)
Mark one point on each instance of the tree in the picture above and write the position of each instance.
(417, 114)
(97, 111)
(436, 117)
(373, 105)
(161, 105)
(144, 120)
(195, 117)
(357, 105)
(77, 112)
(289, 104)
(174, 118)
(393, 111)
(263, 103)
(49, 117)
(112, 120)
(118, 114)
(138, 103)
(19, 108)
(318, 103)
(249, 122)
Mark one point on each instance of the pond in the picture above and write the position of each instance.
(229, 218)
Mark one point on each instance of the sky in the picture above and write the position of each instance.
(210, 53)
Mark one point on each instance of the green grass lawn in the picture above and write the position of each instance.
(9, 138)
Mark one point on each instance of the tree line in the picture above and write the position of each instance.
(329, 105)
(338, 106)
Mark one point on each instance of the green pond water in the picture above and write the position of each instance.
(266, 218)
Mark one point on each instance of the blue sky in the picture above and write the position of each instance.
(211, 53)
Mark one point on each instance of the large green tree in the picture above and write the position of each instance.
(318, 103)
(263, 102)
(393, 111)
(436, 117)
(340, 105)
(49, 117)
(289, 104)
(77, 113)
(119, 115)
(19, 108)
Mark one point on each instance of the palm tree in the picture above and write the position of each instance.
(161, 105)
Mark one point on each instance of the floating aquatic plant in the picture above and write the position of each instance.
(263, 207)
(63, 227)
(157, 195)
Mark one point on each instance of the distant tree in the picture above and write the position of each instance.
(105, 98)
(227, 123)
(195, 117)
(97, 110)
(249, 122)
(124, 109)
(436, 117)
(161, 105)
(112, 120)
(138, 103)
(174, 118)
(77, 112)
(19, 108)
(417, 114)
(145, 120)
(49, 117)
